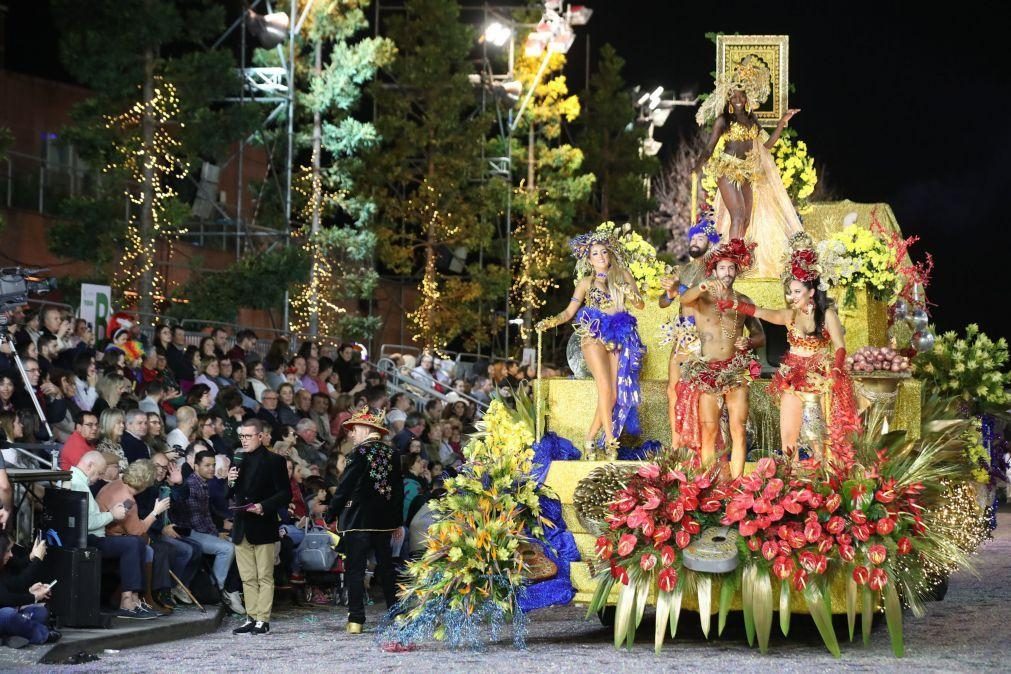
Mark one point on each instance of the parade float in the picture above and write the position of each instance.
(872, 524)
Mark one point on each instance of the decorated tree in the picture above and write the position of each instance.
(426, 176)
(337, 240)
(612, 146)
(550, 182)
(149, 120)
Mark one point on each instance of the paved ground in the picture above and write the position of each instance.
(966, 632)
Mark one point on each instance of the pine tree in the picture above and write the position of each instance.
(612, 144)
(335, 64)
(150, 118)
(427, 176)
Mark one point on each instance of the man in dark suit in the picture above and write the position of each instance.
(134, 447)
(260, 486)
(369, 505)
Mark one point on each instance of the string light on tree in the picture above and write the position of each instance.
(163, 162)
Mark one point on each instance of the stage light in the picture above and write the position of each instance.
(562, 40)
(579, 15)
(656, 93)
(497, 34)
(650, 146)
(269, 29)
(659, 116)
(642, 99)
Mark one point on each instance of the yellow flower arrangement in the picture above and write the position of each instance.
(471, 564)
(972, 368)
(869, 263)
(640, 257)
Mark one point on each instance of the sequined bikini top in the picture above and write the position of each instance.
(599, 299)
(740, 132)
(808, 342)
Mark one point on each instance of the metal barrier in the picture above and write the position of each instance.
(417, 388)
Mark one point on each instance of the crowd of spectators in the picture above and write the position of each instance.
(150, 425)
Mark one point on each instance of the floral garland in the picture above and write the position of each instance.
(640, 258)
(856, 258)
(471, 568)
(971, 367)
(802, 528)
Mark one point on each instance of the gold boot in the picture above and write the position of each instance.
(611, 449)
(355, 628)
(589, 453)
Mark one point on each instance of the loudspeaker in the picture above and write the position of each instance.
(66, 512)
(75, 600)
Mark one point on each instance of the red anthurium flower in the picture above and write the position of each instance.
(734, 513)
(754, 543)
(604, 548)
(800, 580)
(877, 553)
(798, 540)
(682, 538)
(835, 525)
(861, 575)
(668, 580)
(885, 526)
(821, 564)
(679, 476)
(614, 520)
(710, 505)
(887, 492)
(703, 481)
(625, 501)
(636, 518)
(653, 498)
(748, 527)
(918, 526)
(765, 468)
(619, 573)
(763, 522)
(743, 500)
(650, 471)
(878, 580)
(815, 501)
(847, 552)
(677, 512)
(626, 544)
(691, 526)
(792, 505)
(782, 567)
(844, 539)
(647, 561)
(761, 506)
(648, 528)
(751, 483)
(661, 535)
(808, 560)
(905, 545)
(801, 495)
(833, 502)
(691, 503)
(776, 513)
(785, 548)
(667, 555)
(858, 517)
(861, 532)
(825, 545)
(812, 531)
(772, 488)
(770, 550)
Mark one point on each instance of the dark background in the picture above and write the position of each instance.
(902, 103)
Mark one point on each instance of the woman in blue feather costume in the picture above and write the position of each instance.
(610, 337)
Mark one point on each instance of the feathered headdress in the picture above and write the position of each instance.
(801, 262)
(735, 250)
(706, 225)
(750, 76)
(580, 246)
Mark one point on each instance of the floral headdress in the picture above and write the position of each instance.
(735, 250)
(802, 261)
(366, 417)
(706, 225)
(750, 76)
(580, 246)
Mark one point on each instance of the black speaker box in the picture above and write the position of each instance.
(76, 598)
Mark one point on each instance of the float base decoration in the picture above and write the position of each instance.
(568, 403)
(469, 584)
(857, 538)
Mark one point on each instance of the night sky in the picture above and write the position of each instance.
(901, 102)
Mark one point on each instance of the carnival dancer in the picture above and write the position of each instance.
(751, 201)
(609, 336)
(720, 376)
(368, 507)
(809, 380)
(681, 330)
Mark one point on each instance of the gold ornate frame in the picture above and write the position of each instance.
(774, 51)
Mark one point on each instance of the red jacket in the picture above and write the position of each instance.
(73, 449)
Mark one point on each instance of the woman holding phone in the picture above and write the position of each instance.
(23, 617)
